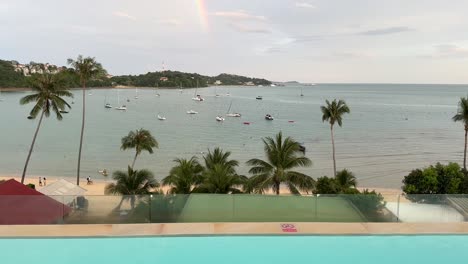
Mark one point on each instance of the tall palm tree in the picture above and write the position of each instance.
(48, 97)
(333, 113)
(346, 179)
(218, 156)
(87, 68)
(131, 183)
(462, 116)
(221, 179)
(282, 157)
(185, 176)
(140, 139)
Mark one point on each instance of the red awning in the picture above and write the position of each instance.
(21, 205)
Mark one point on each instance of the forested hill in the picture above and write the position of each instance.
(14, 74)
(10, 78)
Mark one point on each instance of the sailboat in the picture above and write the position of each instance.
(180, 88)
(197, 97)
(106, 104)
(232, 114)
(136, 92)
(157, 94)
(122, 107)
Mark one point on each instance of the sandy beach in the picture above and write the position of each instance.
(98, 186)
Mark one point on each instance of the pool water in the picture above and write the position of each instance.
(238, 249)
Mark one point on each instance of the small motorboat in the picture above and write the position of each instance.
(234, 115)
(259, 98)
(158, 94)
(228, 94)
(73, 102)
(246, 123)
(108, 105)
(198, 98)
(90, 94)
(136, 97)
(268, 117)
(291, 121)
(128, 100)
(103, 172)
(30, 117)
(63, 111)
(161, 117)
(192, 112)
(123, 108)
(219, 118)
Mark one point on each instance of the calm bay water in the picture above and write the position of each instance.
(391, 129)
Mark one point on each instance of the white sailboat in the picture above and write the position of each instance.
(228, 114)
(192, 112)
(197, 97)
(136, 92)
(121, 107)
(107, 104)
(180, 88)
(161, 117)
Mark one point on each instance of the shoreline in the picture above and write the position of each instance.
(98, 186)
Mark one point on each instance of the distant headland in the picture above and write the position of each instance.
(16, 75)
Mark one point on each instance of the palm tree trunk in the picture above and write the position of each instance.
(464, 154)
(333, 146)
(32, 146)
(81, 136)
(134, 159)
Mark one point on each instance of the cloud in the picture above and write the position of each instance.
(450, 50)
(249, 29)
(124, 15)
(385, 31)
(278, 46)
(239, 15)
(304, 5)
(170, 22)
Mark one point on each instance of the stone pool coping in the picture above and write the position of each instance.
(172, 229)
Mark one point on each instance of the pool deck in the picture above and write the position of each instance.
(116, 230)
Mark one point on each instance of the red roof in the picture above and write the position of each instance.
(22, 205)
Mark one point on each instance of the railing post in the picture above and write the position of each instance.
(150, 198)
(398, 209)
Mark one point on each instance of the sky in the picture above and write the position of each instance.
(316, 41)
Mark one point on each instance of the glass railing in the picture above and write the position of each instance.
(181, 208)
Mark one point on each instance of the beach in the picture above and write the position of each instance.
(98, 186)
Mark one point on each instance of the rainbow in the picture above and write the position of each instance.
(202, 14)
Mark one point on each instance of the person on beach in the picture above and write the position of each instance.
(89, 180)
(45, 183)
(40, 181)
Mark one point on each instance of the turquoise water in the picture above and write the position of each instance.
(239, 249)
(391, 130)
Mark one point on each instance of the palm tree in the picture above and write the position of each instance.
(185, 176)
(48, 97)
(346, 179)
(462, 116)
(87, 68)
(333, 113)
(218, 156)
(140, 139)
(131, 183)
(282, 156)
(221, 179)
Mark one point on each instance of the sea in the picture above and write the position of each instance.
(392, 129)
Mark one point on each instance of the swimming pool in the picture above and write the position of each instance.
(238, 249)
